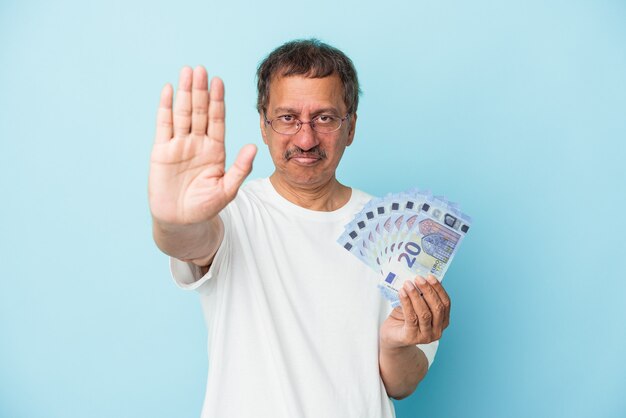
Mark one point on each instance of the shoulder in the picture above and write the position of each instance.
(254, 187)
(251, 195)
(252, 191)
(359, 198)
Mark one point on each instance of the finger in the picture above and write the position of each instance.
(435, 305)
(217, 110)
(424, 316)
(199, 101)
(182, 103)
(443, 296)
(410, 317)
(164, 116)
(239, 170)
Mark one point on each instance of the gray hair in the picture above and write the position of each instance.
(311, 58)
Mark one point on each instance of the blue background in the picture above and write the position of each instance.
(516, 109)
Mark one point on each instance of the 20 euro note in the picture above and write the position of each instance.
(405, 234)
(428, 247)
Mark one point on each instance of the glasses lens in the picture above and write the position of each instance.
(285, 125)
(326, 123)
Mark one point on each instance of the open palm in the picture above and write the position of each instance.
(188, 183)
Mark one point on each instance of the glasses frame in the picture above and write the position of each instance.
(299, 124)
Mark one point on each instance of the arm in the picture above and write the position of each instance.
(402, 369)
(197, 243)
(188, 184)
(424, 314)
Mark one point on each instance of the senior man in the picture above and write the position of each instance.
(296, 326)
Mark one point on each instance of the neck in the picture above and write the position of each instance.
(326, 197)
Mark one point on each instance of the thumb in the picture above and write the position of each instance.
(240, 169)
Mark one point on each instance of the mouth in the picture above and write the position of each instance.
(305, 159)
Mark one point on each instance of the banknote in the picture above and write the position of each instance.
(404, 235)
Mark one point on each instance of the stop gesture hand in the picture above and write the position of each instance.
(188, 182)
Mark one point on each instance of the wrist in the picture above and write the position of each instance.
(189, 242)
(392, 348)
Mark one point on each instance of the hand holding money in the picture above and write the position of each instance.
(409, 238)
(423, 314)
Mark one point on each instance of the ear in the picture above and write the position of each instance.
(352, 121)
(263, 128)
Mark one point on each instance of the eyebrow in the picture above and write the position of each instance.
(294, 111)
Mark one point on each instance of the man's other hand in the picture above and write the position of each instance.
(423, 314)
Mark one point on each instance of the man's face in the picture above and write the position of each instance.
(307, 158)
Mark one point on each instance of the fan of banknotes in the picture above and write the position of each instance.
(404, 235)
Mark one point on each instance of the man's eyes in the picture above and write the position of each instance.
(324, 119)
(318, 119)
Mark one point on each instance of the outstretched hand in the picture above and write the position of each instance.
(423, 314)
(188, 183)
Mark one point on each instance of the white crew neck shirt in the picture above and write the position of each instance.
(293, 319)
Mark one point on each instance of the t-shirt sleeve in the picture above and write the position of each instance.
(189, 276)
(429, 350)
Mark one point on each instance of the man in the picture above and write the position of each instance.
(297, 327)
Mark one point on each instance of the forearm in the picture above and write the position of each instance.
(402, 369)
(197, 243)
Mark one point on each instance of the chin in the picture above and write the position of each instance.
(302, 180)
(310, 180)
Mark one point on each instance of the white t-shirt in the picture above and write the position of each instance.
(293, 318)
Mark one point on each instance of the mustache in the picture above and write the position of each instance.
(315, 152)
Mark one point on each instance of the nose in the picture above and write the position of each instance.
(306, 137)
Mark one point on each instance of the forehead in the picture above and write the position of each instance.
(302, 93)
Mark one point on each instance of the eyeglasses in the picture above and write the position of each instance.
(289, 125)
